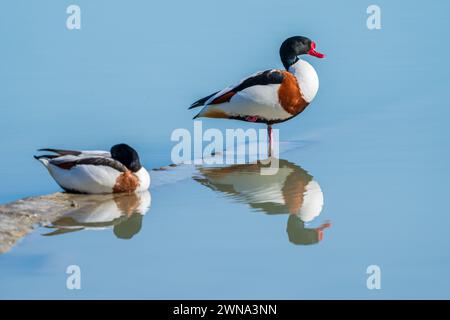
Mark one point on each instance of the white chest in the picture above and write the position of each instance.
(307, 78)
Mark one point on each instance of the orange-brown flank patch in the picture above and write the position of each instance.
(66, 165)
(223, 98)
(126, 182)
(211, 113)
(290, 96)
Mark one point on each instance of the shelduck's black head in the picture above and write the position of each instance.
(292, 47)
(127, 156)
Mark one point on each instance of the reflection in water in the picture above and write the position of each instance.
(122, 212)
(291, 190)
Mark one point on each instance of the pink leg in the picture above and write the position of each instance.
(320, 229)
(251, 118)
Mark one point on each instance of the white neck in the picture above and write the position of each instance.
(144, 179)
(307, 78)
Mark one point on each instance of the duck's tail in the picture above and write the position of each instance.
(202, 101)
(44, 159)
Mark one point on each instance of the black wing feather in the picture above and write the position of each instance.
(201, 102)
(99, 161)
(267, 77)
(272, 76)
(95, 161)
(62, 152)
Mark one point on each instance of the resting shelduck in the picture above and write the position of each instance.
(270, 96)
(119, 170)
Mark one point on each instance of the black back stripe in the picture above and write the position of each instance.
(46, 156)
(62, 152)
(201, 102)
(272, 76)
(95, 161)
(267, 77)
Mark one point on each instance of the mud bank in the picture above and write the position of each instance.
(18, 218)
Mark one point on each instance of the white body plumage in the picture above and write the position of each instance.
(263, 101)
(93, 172)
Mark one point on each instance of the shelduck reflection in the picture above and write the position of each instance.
(291, 190)
(121, 212)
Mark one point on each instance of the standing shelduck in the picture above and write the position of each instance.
(119, 170)
(270, 96)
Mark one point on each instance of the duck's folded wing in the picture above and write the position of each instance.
(70, 161)
(263, 78)
(256, 99)
(267, 77)
(201, 102)
(79, 153)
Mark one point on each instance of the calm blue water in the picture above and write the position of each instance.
(375, 139)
